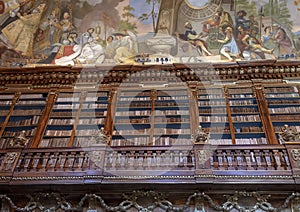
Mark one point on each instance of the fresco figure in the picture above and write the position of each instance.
(253, 47)
(229, 47)
(21, 33)
(192, 36)
(126, 46)
(285, 45)
(88, 51)
(66, 26)
(240, 20)
(239, 40)
(21, 6)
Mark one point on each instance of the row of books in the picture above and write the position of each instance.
(5, 102)
(146, 98)
(284, 110)
(291, 89)
(135, 104)
(58, 133)
(66, 106)
(211, 96)
(4, 97)
(286, 117)
(171, 112)
(54, 142)
(171, 119)
(240, 90)
(32, 102)
(27, 112)
(26, 121)
(251, 141)
(63, 121)
(212, 103)
(246, 118)
(285, 95)
(171, 131)
(134, 113)
(94, 105)
(28, 133)
(214, 118)
(164, 98)
(170, 104)
(242, 102)
(214, 110)
(95, 121)
(144, 131)
(244, 109)
(284, 101)
(248, 129)
(134, 120)
(241, 96)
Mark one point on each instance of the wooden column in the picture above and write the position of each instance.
(231, 126)
(13, 104)
(111, 110)
(194, 110)
(265, 115)
(81, 99)
(51, 98)
(153, 97)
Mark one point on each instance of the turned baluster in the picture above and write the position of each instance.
(46, 158)
(248, 160)
(258, 159)
(277, 158)
(268, 158)
(28, 160)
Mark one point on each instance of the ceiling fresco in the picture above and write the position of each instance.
(89, 32)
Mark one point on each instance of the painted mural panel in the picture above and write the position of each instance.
(69, 32)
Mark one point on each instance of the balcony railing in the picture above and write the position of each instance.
(194, 161)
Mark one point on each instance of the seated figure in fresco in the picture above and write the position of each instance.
(125, 46)
(88, 51)
(229, 47)
(253, 47)
(192, 36)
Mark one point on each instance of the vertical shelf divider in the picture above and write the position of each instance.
(14, 102)
(81, 99)
(51, 98)
(230, 122)
(153, 97)
(265, 115)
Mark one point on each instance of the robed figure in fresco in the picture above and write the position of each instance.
(21, 33)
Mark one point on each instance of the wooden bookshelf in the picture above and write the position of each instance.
(213, 116)
(283, 106)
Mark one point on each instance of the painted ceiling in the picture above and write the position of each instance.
(88, 32)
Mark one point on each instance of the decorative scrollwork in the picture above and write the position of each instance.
(288, 134)
(200, 136)
(295, 154)
(146, 201)
(19, 141)
(101, 137)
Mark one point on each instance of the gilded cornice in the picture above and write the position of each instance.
(66, 77)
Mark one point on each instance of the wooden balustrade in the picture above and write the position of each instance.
(238, 160)
(250, 158)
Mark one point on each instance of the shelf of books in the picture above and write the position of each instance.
(171, 117)
(25, 115)
(245, 116)
(284, 106)
(5, 105)
(91, 117)
(61, 120)
(132, 121)
(213, 116)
